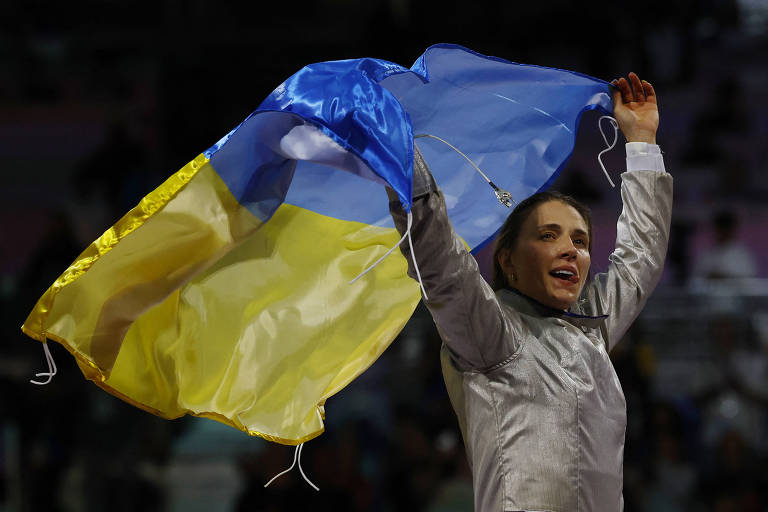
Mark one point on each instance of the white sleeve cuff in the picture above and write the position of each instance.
(642, 156)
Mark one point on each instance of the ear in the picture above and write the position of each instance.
(505, 261)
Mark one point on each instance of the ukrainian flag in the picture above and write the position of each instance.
(225, 293)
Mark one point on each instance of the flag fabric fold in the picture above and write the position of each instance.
(224, 293)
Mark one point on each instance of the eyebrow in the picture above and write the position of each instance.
(558, 227)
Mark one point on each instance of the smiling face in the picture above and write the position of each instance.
(550, 259)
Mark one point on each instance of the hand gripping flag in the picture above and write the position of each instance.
(225, 292)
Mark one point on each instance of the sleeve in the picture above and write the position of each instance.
(478, 331)
(642, 234)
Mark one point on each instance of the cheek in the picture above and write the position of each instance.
(586, 261)
(540, 260)
(526, 259)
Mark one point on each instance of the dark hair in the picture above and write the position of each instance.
(510, 231)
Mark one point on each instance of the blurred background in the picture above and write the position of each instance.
(101, 101)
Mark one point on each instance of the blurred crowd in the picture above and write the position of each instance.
(91, 119)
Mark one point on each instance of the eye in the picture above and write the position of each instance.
(548, 236)
(580, 241)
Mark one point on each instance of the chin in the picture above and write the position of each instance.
(563, 303)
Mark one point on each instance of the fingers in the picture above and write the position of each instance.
(623, 89)
(633, 90)
(637, 88)
(616, 92)
(650, 93)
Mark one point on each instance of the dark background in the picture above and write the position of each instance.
(101, 101)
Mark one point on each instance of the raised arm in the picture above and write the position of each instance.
(470, 319)
(642, 234)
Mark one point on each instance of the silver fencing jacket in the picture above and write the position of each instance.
(538, 401)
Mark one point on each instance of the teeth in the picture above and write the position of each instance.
(566, 273)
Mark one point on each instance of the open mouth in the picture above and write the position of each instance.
(565, 275)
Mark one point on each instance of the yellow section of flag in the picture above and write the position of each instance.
(190, 304)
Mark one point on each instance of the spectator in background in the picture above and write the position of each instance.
(728, 258)
(672, 480)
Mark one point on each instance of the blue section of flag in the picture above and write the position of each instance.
(248, 160)
(516, 122)
(344, 99)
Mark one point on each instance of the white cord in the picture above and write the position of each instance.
(51, 367)
(361, 274)
(502, 195)
(456, 150)
(413, 256)
(301, 446)
(609, 145)
(296, 457)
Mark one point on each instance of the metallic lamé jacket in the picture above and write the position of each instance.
(538, 401)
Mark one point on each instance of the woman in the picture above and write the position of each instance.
(526, 365)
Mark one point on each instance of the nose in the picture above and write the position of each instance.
(568, 251)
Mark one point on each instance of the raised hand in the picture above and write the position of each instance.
(635, 108)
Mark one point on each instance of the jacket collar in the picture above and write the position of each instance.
(529, 306)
